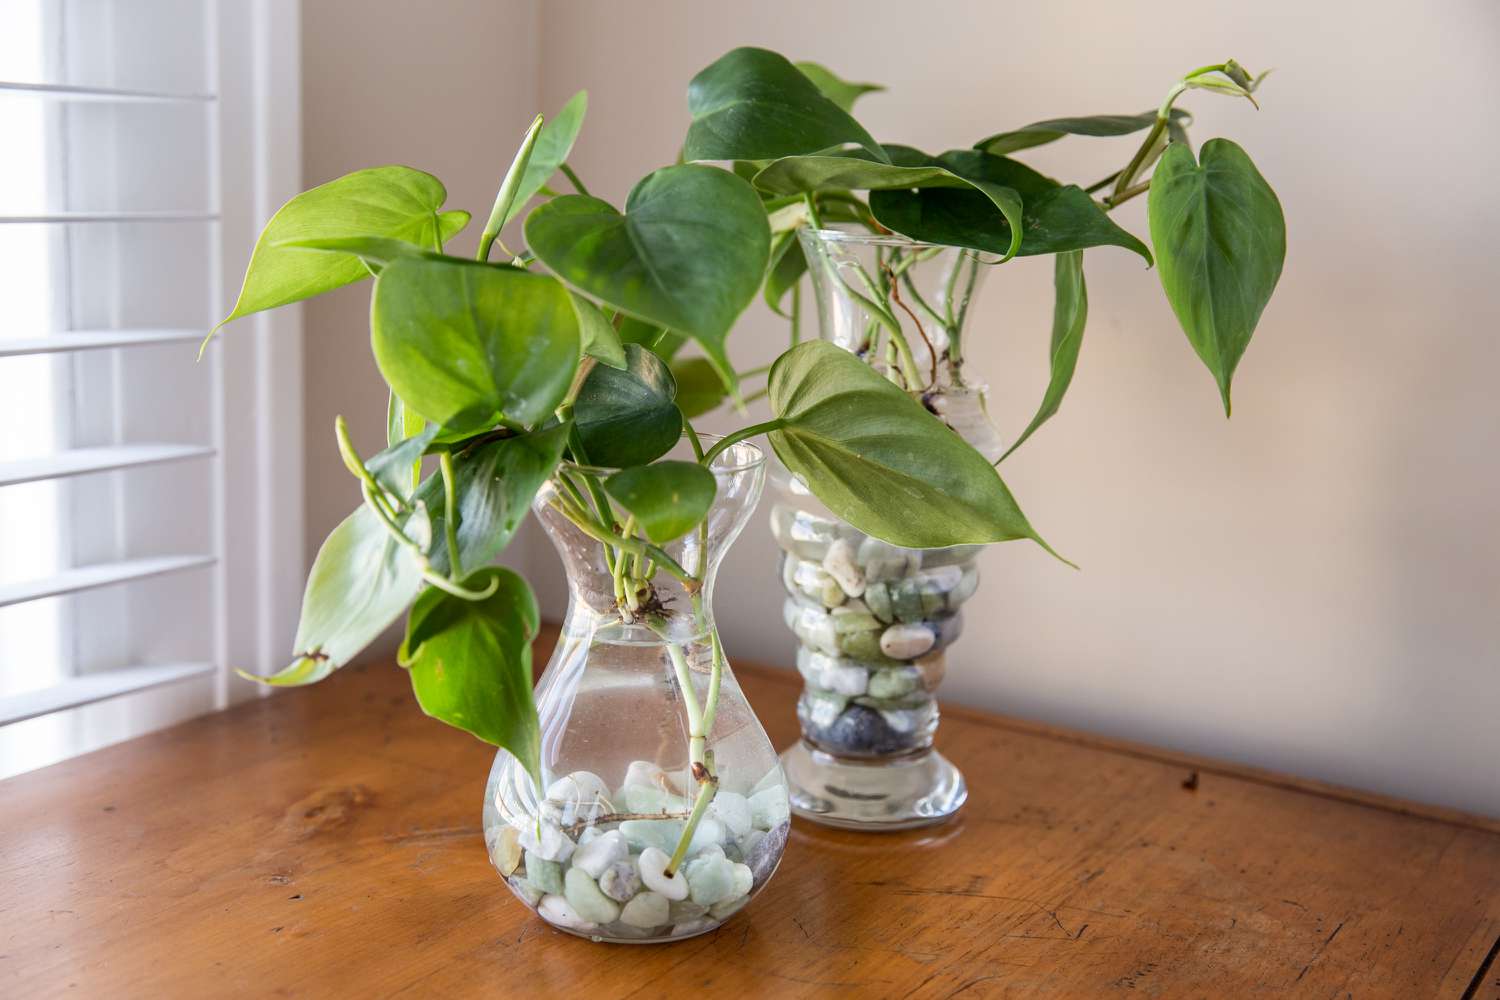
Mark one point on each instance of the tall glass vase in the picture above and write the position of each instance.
(873, 621)
(610, 847)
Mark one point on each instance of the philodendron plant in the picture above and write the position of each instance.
(553, 361)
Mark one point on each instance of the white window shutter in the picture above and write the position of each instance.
(150, 504)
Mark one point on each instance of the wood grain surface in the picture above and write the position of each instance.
(326, 843)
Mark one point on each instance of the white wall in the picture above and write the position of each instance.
(1314, 586)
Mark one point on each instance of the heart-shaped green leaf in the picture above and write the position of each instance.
(361, 581)
(628, 417)
(494, 483)
(470, 662)
(1041, 133)
(462, 341)
(688, 253)
(752, 104)
(667, 499)
(1055, 218)
(395, 202)
(909, 169)
(840, 92)
(599, 339)
(1070, 310)
(1220, 239)
(879, 460)
(553, 145)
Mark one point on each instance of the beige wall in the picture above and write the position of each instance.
(1314, 586)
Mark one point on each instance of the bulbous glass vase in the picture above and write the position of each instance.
(591, 850)
(873, 620)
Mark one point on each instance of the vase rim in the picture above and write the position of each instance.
(877, 239)
(742, 456)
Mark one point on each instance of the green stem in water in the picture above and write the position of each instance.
(450, 515)
(813, 218)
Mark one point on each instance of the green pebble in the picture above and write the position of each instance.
(895, 682)
(545, 875)
(878, 599)
(906, 601)
(584, 895)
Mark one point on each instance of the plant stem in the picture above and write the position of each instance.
(740, 435)
(700, 806)
(573, 178)
(797, 313)
(450, 515)
(813, 218)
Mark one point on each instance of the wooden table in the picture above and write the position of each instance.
(326, 843)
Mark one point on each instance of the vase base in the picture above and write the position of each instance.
(894, 794)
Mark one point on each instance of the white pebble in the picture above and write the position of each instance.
(644, 773)
(845, 680)
(546, 840)
(769, 807)
(601, 852)
(580, 786)
(647, 909)
(653, 865)
(839, 563)
(733, 811)
(557, 910)
(906, 642)
(708, 833)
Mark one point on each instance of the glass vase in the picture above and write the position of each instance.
(873, 621)
(608, 848)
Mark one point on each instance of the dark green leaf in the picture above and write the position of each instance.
(1054, 218)
(1040, 133)
(840, 92)
(392, 468)
(495, 483)
(627, 417)
(688, 254)
(752, 104)
(699, 388)
(1070, 310)
(470, 662)
(396, 202)
(910, 169)
(879, 460)
(360, 582)
(600, 339)
(550, 152)
(1220, 240)
(667, 499)
(461, 341)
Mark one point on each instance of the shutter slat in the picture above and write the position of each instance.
(80, 461)
(68, 218)
(93, 340)
(59, 91)
(70, 581)
(90, 688)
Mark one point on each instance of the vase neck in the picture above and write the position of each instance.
(677, 576)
